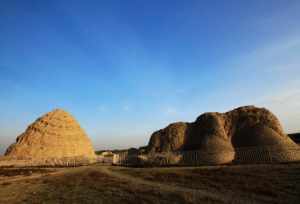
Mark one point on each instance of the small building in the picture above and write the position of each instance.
(107, 154)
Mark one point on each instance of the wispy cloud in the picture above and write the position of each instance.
(286, 97)
(170, 111)
(126, 108)
(180, 91)
(280, 55)
(4, 143)
(285, 104)
(101, 108)
(269, 76)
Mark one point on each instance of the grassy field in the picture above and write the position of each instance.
(108, 184)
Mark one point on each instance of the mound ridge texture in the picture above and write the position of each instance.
(222, 135)
(54, 135)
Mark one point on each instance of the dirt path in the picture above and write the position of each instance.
(196, 193)
(82, 175)
(30, 177)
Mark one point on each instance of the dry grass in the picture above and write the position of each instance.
(93, 186)
(9, 172)
(256, 183)
(85, 185)
(99, 184)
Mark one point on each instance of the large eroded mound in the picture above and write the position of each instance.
(55, 135)
(222, 136)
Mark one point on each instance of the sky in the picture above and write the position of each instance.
(124, 69)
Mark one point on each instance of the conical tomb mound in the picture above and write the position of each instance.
(55, 135)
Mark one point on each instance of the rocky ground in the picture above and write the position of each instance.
(107, 184)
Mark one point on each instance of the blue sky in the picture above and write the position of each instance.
(127, 68)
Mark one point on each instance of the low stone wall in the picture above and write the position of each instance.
(46, 162)
(266, 154)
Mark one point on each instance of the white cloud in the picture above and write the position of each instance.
(101, 108)
(4, 143)
(2, 149)
(126, 108)
(279, 56)
(170, 111)
(270, 78)
(179, 91)
(285, 103)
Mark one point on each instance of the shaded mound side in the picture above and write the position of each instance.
(55, 135)
(220, 135)
(295, 137)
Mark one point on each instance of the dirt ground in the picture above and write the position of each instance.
(108, 184)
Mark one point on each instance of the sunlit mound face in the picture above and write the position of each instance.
(55, 135)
